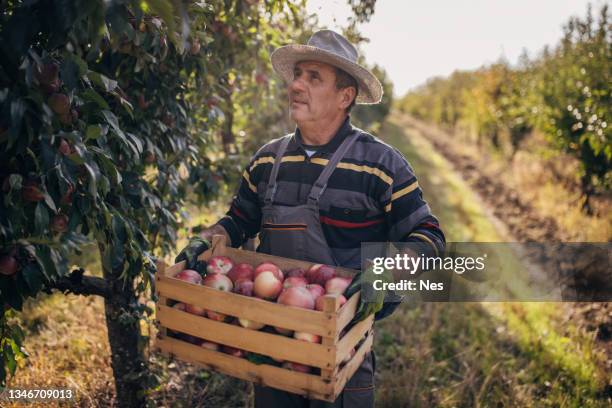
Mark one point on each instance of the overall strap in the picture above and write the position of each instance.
(271, 189)
(321, 183)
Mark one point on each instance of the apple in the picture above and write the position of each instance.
(8, 265)
(195, 46)
(31, 192)
(59, 223)
(268, 267)
(320, 274)
(196, 310)
(297, 296)
(189, 275)
(249, 324)
(267, 285)
(243, 287)
(311, 338)
(315, 290)
(297, 272)
(337, 285)
(218, 281)
(209, 345)
(64, 147)
(319, 302)
(59, 103)
(179, 306)
(296, 367)
(219, 264)
(241, 271)
(232, 351)
(284, 332)
(294, 281)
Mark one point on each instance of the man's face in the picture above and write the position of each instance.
(313, 96)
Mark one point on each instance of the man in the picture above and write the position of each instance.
(318, 193)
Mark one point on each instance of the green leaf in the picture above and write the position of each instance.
(93, 132)
(102, 81)
(94, 97)
(50, 202)
(9, 357)
(15, 181)
(41, 218)
(33, 277)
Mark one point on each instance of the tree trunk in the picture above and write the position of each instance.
(127, 358)
(587, 191)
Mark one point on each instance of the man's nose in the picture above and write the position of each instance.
(296, 85)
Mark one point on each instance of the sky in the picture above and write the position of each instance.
(415, 40)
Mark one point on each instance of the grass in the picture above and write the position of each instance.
(428, 354)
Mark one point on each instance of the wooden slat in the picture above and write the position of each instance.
(350, 339)
(351, 367)
(309, 385)
(331, 303)
(273, 345)
(249, 308)
(347, 312)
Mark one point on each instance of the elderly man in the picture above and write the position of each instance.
(318, 193)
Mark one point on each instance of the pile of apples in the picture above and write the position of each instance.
(297, 287)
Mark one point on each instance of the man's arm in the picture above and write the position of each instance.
(408, 215)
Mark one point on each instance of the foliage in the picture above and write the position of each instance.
(564, 94)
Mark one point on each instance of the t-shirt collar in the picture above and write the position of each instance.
(331, 146)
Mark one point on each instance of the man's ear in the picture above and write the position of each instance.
(348, 94)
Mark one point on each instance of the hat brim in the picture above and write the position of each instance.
(284, 60)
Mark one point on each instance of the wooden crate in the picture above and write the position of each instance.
(336, 344)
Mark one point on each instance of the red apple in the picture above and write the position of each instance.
(284, 332)
(294, 281)
(59, 103)
(297, 272)
(337, 285)
(219, 264)
(241, 271)
(268, 266)
(296, 367)
(243, 287)
(31, 192)
(64, 147)
(179, 306)
(233, 351)
(320, 274)
(59, 223)
(209, 345)
(8, 265)
(196, 310)
(218, 281)
(320, 302)
(315, 290)
(249, 324)
(297, 296)
(311, 338)
(189, 275)
(267, 285)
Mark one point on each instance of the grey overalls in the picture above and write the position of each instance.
(296, 232)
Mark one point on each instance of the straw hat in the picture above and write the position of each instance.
(331, 48)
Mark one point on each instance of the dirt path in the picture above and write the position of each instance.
(520, 222)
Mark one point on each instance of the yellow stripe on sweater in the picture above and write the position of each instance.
(425, 238)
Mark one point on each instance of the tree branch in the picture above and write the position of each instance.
(79, 284)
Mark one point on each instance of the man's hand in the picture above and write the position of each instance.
(197, 245)
(372, 301)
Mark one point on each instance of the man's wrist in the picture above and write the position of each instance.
(216, 229)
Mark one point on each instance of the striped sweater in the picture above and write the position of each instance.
(372, 196)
